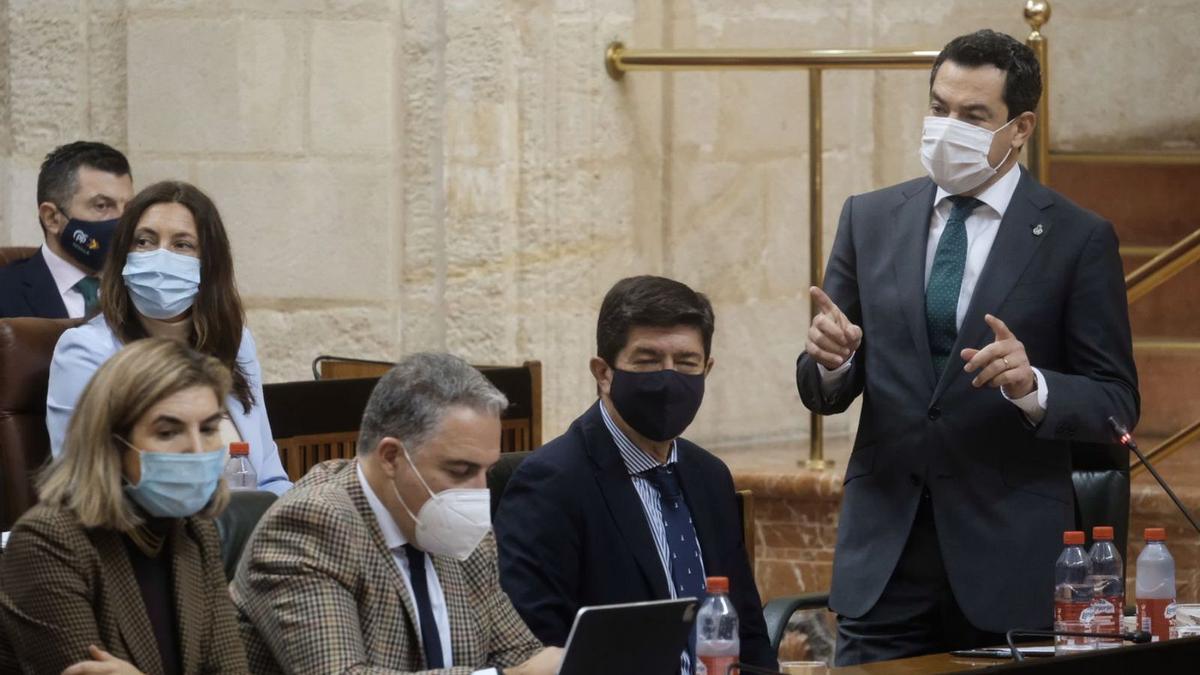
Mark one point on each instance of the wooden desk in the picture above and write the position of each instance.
(931, 663)
(1172, 656)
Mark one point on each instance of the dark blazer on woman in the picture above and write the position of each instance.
(64, 587)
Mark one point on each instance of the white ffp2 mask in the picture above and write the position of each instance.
(451, 522)
(956, 153)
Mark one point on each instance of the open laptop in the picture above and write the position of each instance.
(638, 637)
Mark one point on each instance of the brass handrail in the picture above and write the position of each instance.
(618, 60)
(1037, 13)
(1138, 283)
(1154, 272)
(1167, 447)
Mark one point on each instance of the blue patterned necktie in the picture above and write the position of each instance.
(945, 281)
(430, 639)
(687, 570)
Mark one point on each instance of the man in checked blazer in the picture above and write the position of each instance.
(386, 563)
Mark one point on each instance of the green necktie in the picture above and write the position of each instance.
(945, 280)
(89, 288)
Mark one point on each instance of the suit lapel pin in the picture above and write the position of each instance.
(1037, 230)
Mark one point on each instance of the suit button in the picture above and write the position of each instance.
(914, 478)
(934, 413)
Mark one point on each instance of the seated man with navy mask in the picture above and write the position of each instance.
(82, 189)
(584, 520)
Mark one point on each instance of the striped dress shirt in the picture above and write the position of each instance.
(637, 463)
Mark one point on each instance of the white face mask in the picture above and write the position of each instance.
(956, 153)
(452, 522)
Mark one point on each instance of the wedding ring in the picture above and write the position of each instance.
(1005, 360)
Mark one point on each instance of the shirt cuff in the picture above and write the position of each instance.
(1032, 404)
(485, 671)
(831, 378)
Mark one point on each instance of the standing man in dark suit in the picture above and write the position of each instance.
(82, 189)
(983, 318)
(589, 518)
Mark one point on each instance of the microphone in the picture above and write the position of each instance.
(1126, 439)
(1138, 638)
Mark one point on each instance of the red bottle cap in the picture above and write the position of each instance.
(239, 448)
(1156, 534)
(717, 584)
(1102, 532)
(1073, 538)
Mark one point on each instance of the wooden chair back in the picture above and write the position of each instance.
(319, 420)
(745, 502)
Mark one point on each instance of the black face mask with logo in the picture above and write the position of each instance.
(87, 241)
(658, 404)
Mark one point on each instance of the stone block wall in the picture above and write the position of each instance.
(400, 175)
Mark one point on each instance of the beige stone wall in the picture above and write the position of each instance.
(462, 175)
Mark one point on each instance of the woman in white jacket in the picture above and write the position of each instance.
(169, 273)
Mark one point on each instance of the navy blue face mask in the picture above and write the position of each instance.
(658, 404)
(87, 241)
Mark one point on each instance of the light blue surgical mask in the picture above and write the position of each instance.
(176, 484)
(161, 283)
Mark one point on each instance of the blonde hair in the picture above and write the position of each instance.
(86, 478)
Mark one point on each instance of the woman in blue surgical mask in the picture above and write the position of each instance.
(118, 568)
(170, 274)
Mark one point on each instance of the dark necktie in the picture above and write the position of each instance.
(430, 640)
(89, 288)
(687, 571)
(945, 282)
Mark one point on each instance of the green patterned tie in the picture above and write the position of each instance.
(945, 280)
(88, 287)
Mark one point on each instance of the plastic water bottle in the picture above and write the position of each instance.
(717, 642)
(1107, 581)
(1072, 589)
(239, 473)
(1156, 586)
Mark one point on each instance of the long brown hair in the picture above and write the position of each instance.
(217, 315)
(86, 478)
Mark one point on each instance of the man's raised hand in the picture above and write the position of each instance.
(832, 338)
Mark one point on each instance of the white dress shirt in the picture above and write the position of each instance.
(65, 276)
(981, 225)
(395, 541)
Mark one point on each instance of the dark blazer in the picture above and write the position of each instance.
(1001, 489)
(63, 587)
(572, 533)
(27, 289)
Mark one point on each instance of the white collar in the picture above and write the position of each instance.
(65, 274)
(998, 194)
(393, 537)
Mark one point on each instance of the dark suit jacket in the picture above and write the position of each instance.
(1001, 489)
(572, 533)
(28, 289)
(63, 587)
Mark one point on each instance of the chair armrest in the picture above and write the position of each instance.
(778, 611)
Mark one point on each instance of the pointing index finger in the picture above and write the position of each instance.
(824, 304)
(998, 327)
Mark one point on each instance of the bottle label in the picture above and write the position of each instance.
(717, 665)
(1071, 611)
(1105, 617)
(1156, 616)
